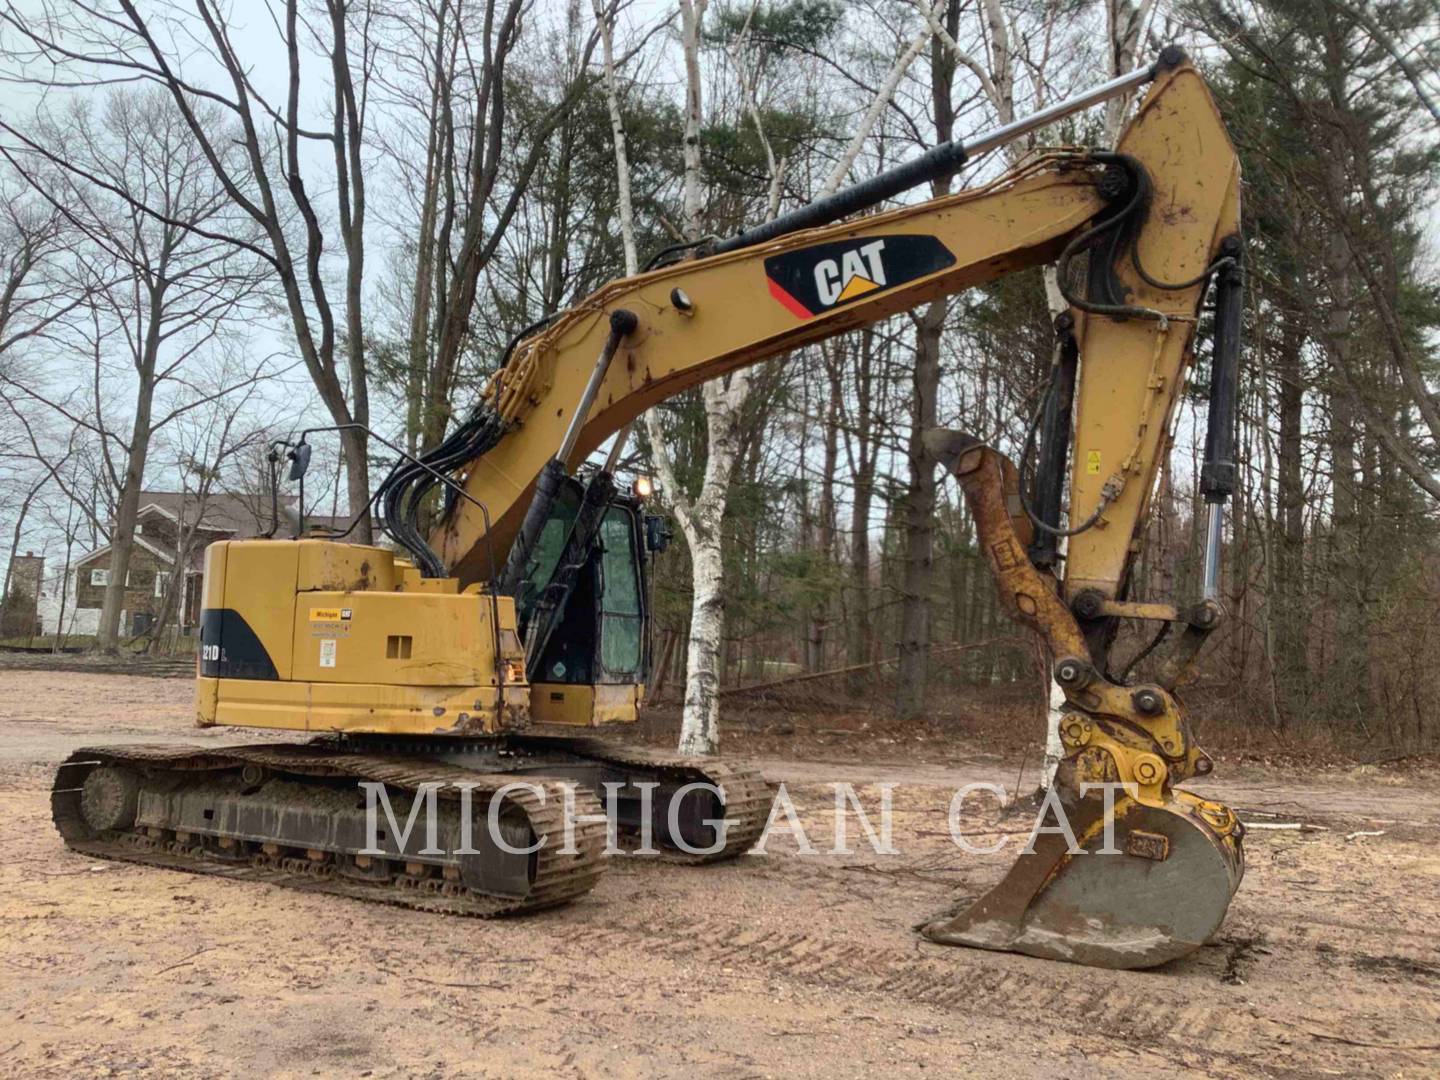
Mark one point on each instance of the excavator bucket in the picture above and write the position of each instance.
(1153, 889)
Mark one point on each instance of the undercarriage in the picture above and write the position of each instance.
(505, 824)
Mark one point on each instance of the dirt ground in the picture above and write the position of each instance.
(774, 965)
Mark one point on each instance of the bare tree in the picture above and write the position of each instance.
(702, 515)
(912, 683)
(1127, 23)
(25, 491)
(33, 292)
(161, 287)
(1011, 41)
(255, 156)
(466, 155)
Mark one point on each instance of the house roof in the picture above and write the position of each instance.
(241, 515)
(227, 516)
(155, 549)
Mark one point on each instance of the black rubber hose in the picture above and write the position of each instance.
(1121, 228)
(403, 492)
(1218, 473)
(1025, 454)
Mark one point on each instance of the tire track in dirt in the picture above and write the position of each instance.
(1176, 1014)
(960, 983)
(1179, 1011)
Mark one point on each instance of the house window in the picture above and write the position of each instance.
(162, 582)
(102, 577)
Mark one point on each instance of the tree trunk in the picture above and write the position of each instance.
(16, 535)
(174, 598)
(1348, 672)
(61, 633)
(122, 536)
(1291, 610)
(917, 580)
(700, 727)
(862, 467)
(357, 480)
(819, 622)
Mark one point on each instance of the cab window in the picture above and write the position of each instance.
(621, 616)
(549, 548)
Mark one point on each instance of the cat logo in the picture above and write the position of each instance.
(815, 279)
(855, 273)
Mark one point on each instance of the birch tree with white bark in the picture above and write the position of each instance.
(701, 518)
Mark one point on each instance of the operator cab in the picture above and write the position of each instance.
(585, 619)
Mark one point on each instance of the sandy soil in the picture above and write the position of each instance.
(770, 966)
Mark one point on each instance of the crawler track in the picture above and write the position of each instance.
(318, 769)
(554, 877)
(745, 793)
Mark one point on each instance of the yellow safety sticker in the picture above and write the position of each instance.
(1092, 462)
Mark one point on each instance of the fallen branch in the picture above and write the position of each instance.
(457, 985)
(460, 985)
(1285, 826)
(1391, 759)
(1015, 797)
(182, 962)
(1350, 1040)
(1364, 832)
(1332, 1037)
(913, 871)
(62, 873)
(809, 676)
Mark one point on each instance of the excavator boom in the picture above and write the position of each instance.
(754, 302)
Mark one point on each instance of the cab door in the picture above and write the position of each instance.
(621, 608)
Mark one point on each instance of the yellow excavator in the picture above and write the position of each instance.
(464, 670)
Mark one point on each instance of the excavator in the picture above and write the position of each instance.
(465, 670)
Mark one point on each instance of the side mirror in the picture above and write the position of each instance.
(657, 533)
(299, 460)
